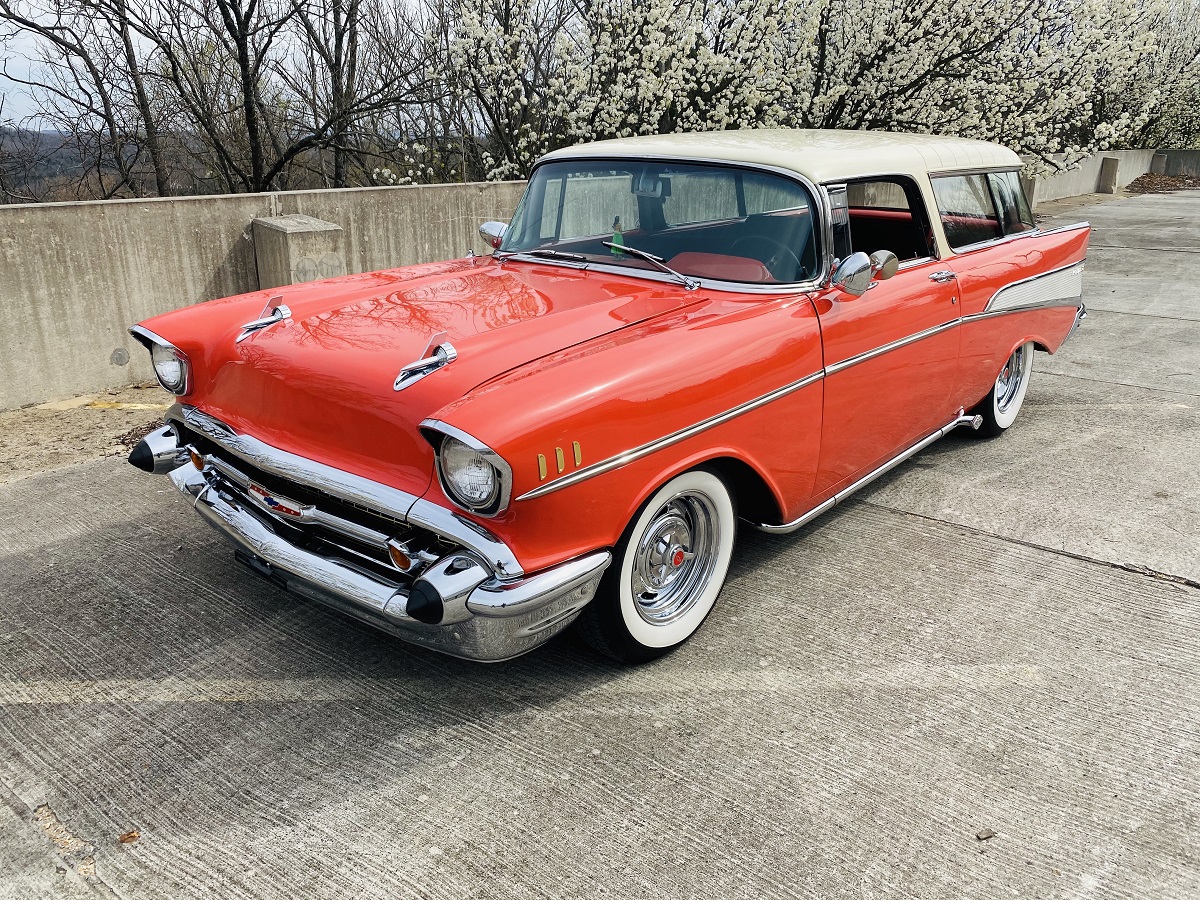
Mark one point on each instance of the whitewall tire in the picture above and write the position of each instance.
(1000, 407)
(667, 570)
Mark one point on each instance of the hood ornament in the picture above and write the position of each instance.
(273, 312)
(439, 352)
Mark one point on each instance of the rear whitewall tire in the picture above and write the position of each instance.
(1002, 404)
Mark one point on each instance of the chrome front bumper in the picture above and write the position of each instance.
(486, 618)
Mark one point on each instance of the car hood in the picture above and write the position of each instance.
(320, 384)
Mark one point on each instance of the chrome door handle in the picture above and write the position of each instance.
(943, 276)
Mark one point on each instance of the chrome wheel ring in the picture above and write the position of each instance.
(675, 557)
(1008, 384)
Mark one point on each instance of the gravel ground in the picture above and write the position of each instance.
(65, 432)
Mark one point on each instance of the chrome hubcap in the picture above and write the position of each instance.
(675, 557)
(1010, 379)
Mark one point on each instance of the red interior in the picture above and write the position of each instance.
(887, 229)
(720, 267)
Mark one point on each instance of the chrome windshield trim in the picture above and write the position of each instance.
(894, 345)
(398, 504)
(622, 459)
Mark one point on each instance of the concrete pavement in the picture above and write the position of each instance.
(1000, 637)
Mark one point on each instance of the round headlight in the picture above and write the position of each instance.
(470, 479)
(170, 367)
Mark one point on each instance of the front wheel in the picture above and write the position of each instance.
(1000, 407)
(667, 572)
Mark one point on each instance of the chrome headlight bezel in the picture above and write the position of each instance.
(153, 343)
(438, 434)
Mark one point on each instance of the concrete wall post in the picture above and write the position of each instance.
(1109, 168)
(295, 248)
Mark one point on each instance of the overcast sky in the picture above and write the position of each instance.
(16, 52)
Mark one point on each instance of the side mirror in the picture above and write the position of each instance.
(853, 274)
(493, 232)
(884, 264)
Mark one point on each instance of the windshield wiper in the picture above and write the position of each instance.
(548, 254)
(690, 283)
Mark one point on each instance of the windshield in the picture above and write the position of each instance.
(706, 221)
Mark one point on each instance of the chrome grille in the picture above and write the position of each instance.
(333, 527)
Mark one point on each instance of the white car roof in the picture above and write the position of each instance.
(821, 156)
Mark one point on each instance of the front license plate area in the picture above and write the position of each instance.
(261, 567)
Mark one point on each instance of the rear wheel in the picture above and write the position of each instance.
(1000, 407)
(667, 572)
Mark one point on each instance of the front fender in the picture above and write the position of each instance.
(591, 431)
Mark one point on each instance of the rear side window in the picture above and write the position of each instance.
(1015, 215)
(980, 208)
(968, 213)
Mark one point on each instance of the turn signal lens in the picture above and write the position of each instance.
(400, 559)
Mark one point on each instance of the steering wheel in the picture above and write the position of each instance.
(777, 253)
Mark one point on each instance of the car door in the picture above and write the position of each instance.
(890, 355)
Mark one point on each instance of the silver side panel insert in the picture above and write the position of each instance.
(1061, 286)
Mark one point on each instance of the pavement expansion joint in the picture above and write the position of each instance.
(1092, 247)
(1128, 384)
(1093, 308)
(1082, 557)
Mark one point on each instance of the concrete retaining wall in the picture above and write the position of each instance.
(1086, 178)
(75, 276)
(1183, 162)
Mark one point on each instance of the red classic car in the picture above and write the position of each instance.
(673, 333)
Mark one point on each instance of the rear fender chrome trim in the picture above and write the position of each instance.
(788, 527)
(1079, 317)
(1070, 302)
(623, 459)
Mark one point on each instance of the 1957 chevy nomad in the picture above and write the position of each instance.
(673, 333)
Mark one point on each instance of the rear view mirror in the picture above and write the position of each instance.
(493, 232)
(853, 274)
(884, 264)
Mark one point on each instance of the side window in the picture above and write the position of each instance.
(968, 215)
(1015, 214)
(888, 214)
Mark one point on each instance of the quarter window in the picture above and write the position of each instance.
(968, 213)
(1015, 214)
